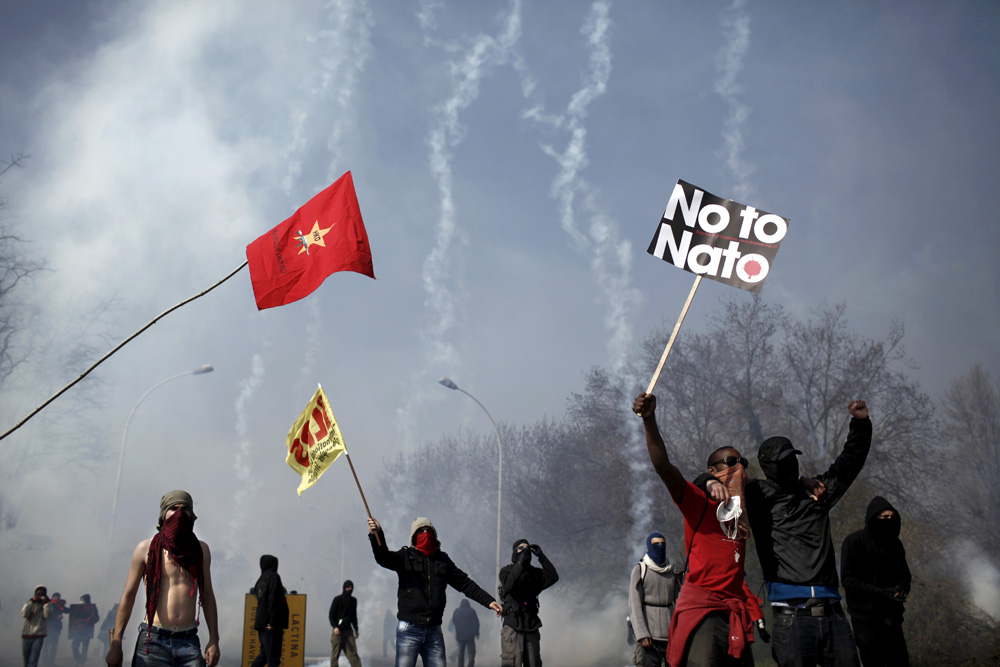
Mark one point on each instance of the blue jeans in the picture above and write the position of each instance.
(167, 649)
(30, 650)
(413, 639)
(806, 641)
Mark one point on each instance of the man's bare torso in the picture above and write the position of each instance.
(177, 607)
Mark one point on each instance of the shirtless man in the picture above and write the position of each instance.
(175, 564)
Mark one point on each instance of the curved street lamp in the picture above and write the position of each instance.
(451, 385)
(201, 370)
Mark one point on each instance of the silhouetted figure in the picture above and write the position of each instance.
(82, 619)
(272, 613)
(466, 624)
(876, 580)
(54, 629)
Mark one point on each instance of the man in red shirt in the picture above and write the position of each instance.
(713, 619)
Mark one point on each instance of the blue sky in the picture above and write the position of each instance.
(511, 160)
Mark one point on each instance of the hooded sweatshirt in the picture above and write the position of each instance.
(790, 529)
(652, 592)
(344, 610)
(520, 584)
(272, 607)
(873, 568)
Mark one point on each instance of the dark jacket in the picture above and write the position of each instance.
(420, 597)
(520, 584)
(344, 610)
(82, 619)
(272, 607)
(791, 530)
(873, 568)
(466, 622)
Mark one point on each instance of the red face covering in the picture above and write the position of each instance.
(426, 544)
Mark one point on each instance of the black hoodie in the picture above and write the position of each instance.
(873, 568)
(344, 610)
(520, 584)
(272, 608)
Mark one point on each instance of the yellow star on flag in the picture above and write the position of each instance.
(314, 237)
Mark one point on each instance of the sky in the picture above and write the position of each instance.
(512, 160)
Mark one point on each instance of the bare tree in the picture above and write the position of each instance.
(971, 424)
(16, 269)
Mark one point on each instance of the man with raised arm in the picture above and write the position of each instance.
(424, 572)
(791, 527)
(177, 568)
(712, 623)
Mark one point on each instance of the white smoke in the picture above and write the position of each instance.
(981, 576)
(345, 47)
(471, 65)
(736, 40)
(241, 462)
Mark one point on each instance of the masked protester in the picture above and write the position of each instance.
(82, 619)
(791, 527)
(652, 592)
(54, 629)
(424, 572)
(176, 566)
(344, 619)
(272, 613)
(714, 615)
(35, 613)
(520, 584)
(876, 582)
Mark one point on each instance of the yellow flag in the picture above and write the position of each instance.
(314, 442)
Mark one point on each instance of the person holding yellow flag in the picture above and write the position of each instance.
(424, 573)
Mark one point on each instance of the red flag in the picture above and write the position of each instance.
(325, 235)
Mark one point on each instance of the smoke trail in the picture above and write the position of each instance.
(981, 575)
(736, 40)
(348, 47)
(472, 64)
(241, 464)
(610, 261)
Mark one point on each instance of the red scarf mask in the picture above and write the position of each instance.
(183, 548)
(426, 543)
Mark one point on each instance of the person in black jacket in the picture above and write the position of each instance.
(272, 613)
(520, 584)
(424, 572)
(791, 527)
(466, 632)
(877, 581)
(344, 619)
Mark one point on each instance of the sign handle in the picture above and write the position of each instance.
(673, 334)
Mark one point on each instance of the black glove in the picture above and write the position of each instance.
(765, 636)
(535, 549)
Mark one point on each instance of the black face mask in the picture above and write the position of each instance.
(884, 530)
(784, 473)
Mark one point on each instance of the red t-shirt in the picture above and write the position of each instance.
(716, 562)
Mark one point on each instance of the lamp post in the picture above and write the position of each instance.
(201, 370)
(451, 385)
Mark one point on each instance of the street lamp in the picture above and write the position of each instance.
(201, 370)
(451, 385)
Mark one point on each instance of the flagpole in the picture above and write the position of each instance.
(115, 349)
(673, 334)
(357, 481)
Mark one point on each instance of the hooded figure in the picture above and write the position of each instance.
(520, 584)
(466, 624)
(272, 613)
(652, 591)
(876, 580)
(344, 619)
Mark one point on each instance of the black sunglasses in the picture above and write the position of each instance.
(730, 461)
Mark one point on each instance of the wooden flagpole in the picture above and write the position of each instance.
(673, 334)
(115, 349)
(357, 481)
